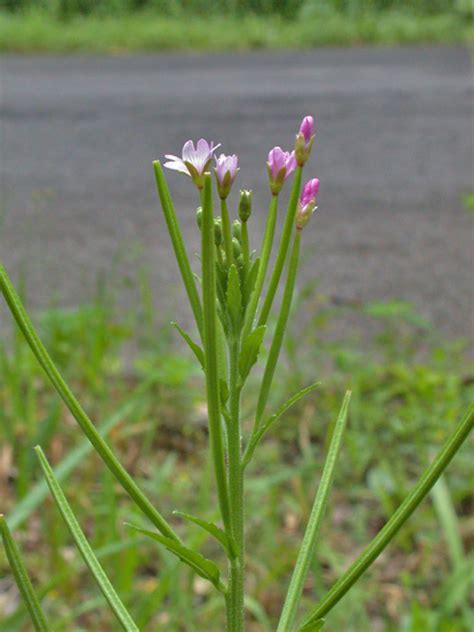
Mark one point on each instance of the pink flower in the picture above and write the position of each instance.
(307, 128)
(304, 140)
(280, 165)
(226, 171)
(309, 192)
(307, 203)
(194, 161)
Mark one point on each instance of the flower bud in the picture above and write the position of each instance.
(218, 231)
(199, 216)
(304, 140)
(237, 230)
(307, 203)
(236, 248)
(245, 205)
(279, 164)
(226, 170)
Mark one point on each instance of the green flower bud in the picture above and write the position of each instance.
(218, 231)
(199, 217)
(237, 248)
(245, 205)
(237, 230)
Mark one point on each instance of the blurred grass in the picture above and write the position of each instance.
(409, 389)
(35, 30)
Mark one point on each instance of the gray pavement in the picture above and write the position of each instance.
(393, 153)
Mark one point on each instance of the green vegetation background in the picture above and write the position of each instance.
(134, 376)
(117, 26)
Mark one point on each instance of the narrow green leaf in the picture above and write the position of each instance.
(195, 348)
(401, 515)
(250, 281)
(84, 547)
(234, 296)
(178, 244)
(72, 459)
(86, 425)
(250, 350)
(313, 627)
(444, 507)
(201, 565)
(22, 579)
(219, 534)
(268, 423)
(306, 552)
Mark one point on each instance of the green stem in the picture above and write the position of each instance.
(226, 233)
(306, 552)
(267, 244)
(279, 331)
(86, 425)
(236, 486)
(245, 246)
(178, 244)
(384, 537)
(283, 248)
(211, 350)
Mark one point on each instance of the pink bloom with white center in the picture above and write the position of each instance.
(307, 203)
(304, 140)
(280, 165)
(226, 170)
(194, 161)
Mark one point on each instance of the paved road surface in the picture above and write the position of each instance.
(394, 155)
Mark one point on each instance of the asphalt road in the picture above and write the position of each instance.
(393, 153)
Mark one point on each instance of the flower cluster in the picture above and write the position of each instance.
(196, 160)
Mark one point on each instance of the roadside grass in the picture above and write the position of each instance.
(408, 391)
(33, 31)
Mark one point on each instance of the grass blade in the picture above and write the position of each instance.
(22, 579)
(86, 425)
(40, 490)
(84, 547)
(306, 552)
(388, 532)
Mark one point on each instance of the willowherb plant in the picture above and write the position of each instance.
(231, 306)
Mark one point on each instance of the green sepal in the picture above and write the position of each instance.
(195, 348)
(313, 627)
(250, 350)
(234, 296)
(219, 534)
(200, 564)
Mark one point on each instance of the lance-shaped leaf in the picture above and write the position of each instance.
(219, 534)
(250, 280)
(313, 627)
(268, 423)
(401, 515)
(234, 296)
(195, 348)
(200, 564)
(22, 579)
(84, 547)
(306, 551)
(250, 350)
(79, 414)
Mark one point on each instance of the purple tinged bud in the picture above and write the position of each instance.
(307, 203)
(307, 128)
(280, 165)
(226, 170)
(304, 140)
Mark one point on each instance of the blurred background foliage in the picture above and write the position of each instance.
(132, 374)
(290, 9)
